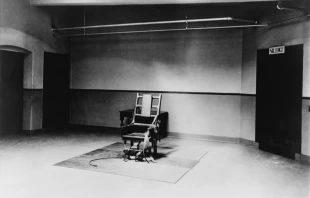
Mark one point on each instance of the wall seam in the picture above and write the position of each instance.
(168, 92)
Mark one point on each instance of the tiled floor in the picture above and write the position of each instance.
(227, 170)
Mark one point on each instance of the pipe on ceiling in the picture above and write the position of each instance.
(202, 28)
(280, 6)
(287, 20)
(166, 30)
(156, 23)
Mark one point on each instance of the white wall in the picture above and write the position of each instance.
(195, 61)
(105, 71)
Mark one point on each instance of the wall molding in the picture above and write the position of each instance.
(169, 92)
(92, 128)
(32, 132)
(117, 131)
(223, 139)
(249, 143)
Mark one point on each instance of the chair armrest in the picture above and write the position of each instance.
(124, 130)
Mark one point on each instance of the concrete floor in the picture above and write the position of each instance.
(227, 170)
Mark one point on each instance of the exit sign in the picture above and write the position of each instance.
(277, 50)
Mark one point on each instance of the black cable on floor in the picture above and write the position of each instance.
(102, 159)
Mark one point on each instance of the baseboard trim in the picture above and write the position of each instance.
(92, 128)
(249, 143)
(305, 159)
(224, 139)
(116, 130)
(203, 137)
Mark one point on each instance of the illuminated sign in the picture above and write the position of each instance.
(277, 50)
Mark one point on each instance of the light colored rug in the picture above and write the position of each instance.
(171, 163)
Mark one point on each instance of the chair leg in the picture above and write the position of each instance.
(154, 142)
(150, 151)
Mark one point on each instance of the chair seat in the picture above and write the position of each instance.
(137, 129)
(134, 136)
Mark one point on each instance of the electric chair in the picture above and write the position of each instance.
(144, 124)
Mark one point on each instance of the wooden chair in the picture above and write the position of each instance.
(144, 123)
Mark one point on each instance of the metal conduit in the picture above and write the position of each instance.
(156, 23)
(183, 29)
(186, 21)
(287, 20)
(281, 7)
(166, 30)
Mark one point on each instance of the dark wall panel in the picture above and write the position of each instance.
(56, 90)
(11, 94)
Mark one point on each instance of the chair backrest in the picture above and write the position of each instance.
(147, 106)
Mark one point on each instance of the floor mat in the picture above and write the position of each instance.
(171, 165)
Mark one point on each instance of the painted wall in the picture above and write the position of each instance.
(28, 27)
(285, 34)
(205, 61)
(248, 85)
(305, 146)
(247, 117)
(106, 69)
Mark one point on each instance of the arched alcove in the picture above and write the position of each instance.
(14, 49)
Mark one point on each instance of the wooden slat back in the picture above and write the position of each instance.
(147, 108)
(146, 105)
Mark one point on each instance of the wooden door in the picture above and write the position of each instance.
(279, 101)
(56, 90)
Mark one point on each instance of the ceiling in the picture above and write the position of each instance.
(72, 15)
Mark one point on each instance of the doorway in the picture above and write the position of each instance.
(11, 92)
(279, 101)
(56, 80)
